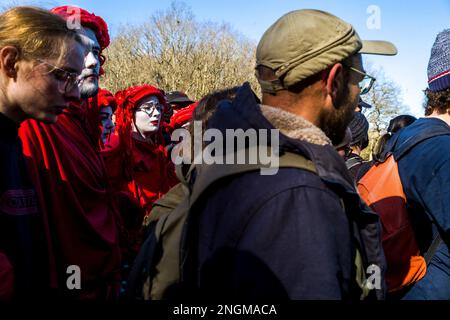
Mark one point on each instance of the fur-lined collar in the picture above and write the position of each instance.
(294, 126)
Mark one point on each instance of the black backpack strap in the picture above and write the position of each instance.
(142, 265)
(363, 169)
(433, 247)
(206, 175)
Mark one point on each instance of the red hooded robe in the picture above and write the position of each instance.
(70, 179)
(149, 173)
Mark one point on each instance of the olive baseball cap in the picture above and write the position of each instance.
(304, 42)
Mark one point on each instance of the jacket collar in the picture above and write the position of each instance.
(245, 113)
(422, 129)
(294, 126)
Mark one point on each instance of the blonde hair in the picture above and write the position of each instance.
(36, 33)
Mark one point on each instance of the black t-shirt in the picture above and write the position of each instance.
(22, 237)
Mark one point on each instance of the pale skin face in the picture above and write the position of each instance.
(147, 117)
(91, 70)
(106, 118)
(35, 89)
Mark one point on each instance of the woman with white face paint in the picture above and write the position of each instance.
(139, 163)
(147, 119)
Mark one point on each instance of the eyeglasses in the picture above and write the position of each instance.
(366, 83)
(67, 80)
(150, 107)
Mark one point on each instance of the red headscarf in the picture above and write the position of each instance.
(89, 21)
(92, 113)
(126, 103)
(105, 99)
(182, 117)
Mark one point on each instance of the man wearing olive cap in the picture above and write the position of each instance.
(295, 234)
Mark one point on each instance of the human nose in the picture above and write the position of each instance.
(110, 125)
(91, 61)
(156, 112)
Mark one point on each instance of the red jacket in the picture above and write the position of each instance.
(153, 175)
(153, 172)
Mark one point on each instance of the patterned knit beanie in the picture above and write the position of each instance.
(439, 65)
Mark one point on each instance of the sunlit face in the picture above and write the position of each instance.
(106, 118)
(147, 116)
(43, 89)
(91, 71)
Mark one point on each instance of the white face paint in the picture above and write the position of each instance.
(148, 116)
(106, 118)
(91, 71)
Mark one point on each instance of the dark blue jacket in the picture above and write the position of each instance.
(21, 231)
(423, 154)
(284, 236)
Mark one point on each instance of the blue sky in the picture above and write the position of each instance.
(411, 25)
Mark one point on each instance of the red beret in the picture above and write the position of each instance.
(88, 20)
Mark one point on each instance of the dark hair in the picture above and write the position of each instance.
(400, 122)
(205, 109)
(207, 105)
(395, 125)
(359, 127)
(36, 33)
(437, 101)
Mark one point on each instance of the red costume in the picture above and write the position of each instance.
(182, 117)
(148, 172)
(81, 222)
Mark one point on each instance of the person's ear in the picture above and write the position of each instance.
(8, 58)
(334, 82)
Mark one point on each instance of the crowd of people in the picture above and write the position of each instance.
(88, 178)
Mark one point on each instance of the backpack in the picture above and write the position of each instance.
(157, 266)
(382, 190)
(164, 264)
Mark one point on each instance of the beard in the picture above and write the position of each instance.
(88, 89)
(334, 124)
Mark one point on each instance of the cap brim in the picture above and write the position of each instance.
(384, 48)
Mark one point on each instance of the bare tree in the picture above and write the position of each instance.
(385, 98)
(174, 51)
